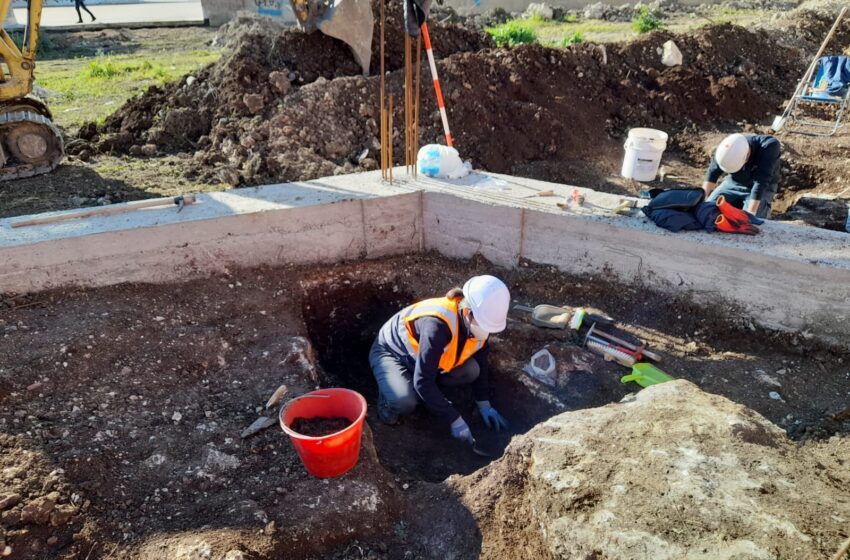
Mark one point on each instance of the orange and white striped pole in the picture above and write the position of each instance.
(440, 103)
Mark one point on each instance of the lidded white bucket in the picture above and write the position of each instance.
(644, 148)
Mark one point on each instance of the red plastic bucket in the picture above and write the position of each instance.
(333, 454)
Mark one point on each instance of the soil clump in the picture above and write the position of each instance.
(319, 426)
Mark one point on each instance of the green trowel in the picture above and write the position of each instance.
(645, 375)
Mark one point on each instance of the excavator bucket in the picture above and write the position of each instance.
(350, 21)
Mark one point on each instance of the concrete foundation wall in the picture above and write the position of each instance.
(778, 293)
(165, 253)
(789, 277)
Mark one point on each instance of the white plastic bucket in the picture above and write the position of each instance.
(643, 153)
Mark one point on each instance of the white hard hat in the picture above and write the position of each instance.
(732, 153)
(489, 299)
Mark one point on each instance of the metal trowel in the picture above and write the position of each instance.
(482, 451)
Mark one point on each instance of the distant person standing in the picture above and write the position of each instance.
(81, 4)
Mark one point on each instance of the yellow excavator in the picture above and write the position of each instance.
(30, 144)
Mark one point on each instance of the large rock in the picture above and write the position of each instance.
(541, 10)
(595, 11)
(674, 473)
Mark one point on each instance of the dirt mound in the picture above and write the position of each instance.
(715, 480)
(293, 107)
(807, 26)
(264, 64)
(513, 108)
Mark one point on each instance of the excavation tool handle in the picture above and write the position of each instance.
(651, 355)
(179, 201)
(438, 91)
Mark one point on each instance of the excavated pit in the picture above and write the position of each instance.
(123, 407)
(342, 321)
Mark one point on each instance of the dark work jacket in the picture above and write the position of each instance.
(700, 217)
(433, 336)
(761, 172)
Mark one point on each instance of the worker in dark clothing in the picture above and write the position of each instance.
(751, 162)
(81, 4)
(441, 342)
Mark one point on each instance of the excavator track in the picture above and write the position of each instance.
(30, 144)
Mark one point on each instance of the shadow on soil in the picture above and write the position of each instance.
(69, 186)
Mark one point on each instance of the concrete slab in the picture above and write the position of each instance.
(250, 200)
(789, 277)
(274, 225)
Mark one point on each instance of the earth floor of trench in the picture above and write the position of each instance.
(120, 394)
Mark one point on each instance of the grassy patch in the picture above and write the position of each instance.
(515, 32)
(558, 33)
(573, 39)
(89, 89)
(647, 20)
(107, 68)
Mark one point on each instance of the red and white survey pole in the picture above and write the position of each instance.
(440, 103)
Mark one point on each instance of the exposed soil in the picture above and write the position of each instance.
(281, 105)
(320, 426)
(121, 407)
(532, 104)
(417, 449)
(286, 106)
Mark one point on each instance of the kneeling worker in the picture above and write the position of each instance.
(751, 163)
(441, 342)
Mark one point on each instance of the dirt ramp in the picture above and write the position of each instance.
(673, 473)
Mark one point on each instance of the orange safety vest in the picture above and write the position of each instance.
(447, 310)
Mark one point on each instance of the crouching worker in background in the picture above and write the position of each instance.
(441, 342)
(751, 165)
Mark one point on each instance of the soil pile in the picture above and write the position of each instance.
(264, 64)
(293, 107)
(807, 26)
(715, 479)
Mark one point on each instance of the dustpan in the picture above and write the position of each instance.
(645, 375)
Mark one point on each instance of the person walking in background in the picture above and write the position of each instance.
(81, 4)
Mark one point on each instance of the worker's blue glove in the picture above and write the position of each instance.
(461, 431)
(491, 416)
